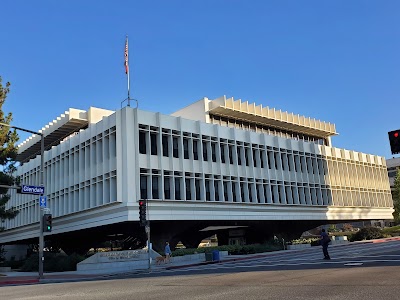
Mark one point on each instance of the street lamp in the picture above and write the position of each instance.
(41, 238)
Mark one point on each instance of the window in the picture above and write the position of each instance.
(255, 157)
(258, 189)
(188, 189)
(225, 191)
(296, 163)
(213, 152)
(222, 147)
(234, 196)
(266, 193)
(205, 151)
(230, 153)
(153, 140)
(276, 160)
(143, 187)
(242, 191)
(280, 194)
(216, 190)
(239, 155)
(208, 192)
(246, 156)
(177, 188)
(290, 162)
(314, 165)
(197, 187)
(308, 164)
(261, 158)
(165, 145)
(175, 147)
(321, 167)
(185, 148)
(154, 189)
(250, 191)
(269, 157)
(283, 161)
(142, 142)
(167, 188)
(274, 192)
(195, 150)
(302, 164)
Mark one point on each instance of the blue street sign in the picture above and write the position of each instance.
(32, 189)
(43, 201)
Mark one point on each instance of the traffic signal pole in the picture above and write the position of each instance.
(41, 237)
(143, 221)
(147, 228)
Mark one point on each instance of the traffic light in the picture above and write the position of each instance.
(394, 139)
(47, 222)
(142, 212)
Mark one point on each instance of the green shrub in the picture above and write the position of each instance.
(14, 264)
(305, 241)
(367, 233)
(392, 231)
(232, 249)
(53, 262)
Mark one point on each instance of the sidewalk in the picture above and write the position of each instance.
(21, 278)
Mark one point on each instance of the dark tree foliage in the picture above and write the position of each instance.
(8, 154)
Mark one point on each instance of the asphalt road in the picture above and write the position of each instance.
(363, 271)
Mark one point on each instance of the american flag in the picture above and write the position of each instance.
(126, 57)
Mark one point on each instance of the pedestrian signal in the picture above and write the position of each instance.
(47, 222)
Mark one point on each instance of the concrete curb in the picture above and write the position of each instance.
(18, 282)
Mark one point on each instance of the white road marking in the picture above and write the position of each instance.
(354, 264)
(215, 266)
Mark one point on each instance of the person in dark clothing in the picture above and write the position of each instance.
(167, 252)
(325, 240)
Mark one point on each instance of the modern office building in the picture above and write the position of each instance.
(224, 166)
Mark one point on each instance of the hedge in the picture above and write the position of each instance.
(232, 249)
(53, 262)
(367, 233)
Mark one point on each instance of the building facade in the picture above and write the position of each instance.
(215, 164)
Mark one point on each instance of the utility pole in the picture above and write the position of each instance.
(41, 237)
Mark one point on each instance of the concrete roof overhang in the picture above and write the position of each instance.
(227, 112)
(71, 121)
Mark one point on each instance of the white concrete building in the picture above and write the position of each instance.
(216, 162)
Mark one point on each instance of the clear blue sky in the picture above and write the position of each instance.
(337, 61)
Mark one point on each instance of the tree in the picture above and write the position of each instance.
(396, 197)
(8, 155)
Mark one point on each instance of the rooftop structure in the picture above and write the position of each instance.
(211, 111)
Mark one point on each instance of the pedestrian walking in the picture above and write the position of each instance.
(167, 252)
(325, 240)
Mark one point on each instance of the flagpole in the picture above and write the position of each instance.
(127, 68)
(129, 98)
